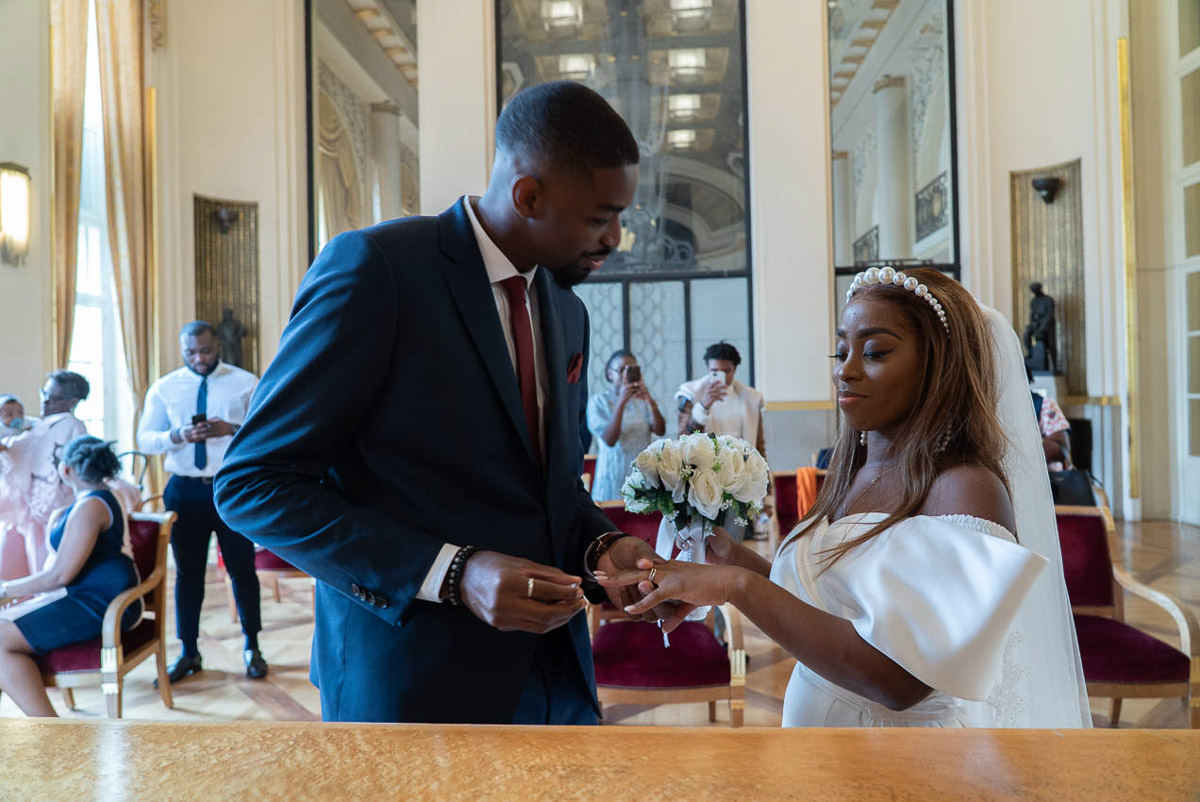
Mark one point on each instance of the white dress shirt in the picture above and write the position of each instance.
(171, 403)
(499, 267)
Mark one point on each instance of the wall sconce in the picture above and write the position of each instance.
(15, 200)
(1047, 186)
(562, 18)
(687, 66)
(226, 218)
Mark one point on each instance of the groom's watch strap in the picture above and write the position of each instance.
(596, 549)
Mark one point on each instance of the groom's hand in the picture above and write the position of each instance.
(622, 556)
(497, 589)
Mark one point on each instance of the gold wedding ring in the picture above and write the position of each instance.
(653, 571)
(529, 589)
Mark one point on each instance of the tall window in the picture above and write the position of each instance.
(680, 279)
(96, 350)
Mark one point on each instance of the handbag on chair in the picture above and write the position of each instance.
(1072, 487)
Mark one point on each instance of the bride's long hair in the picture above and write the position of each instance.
(954, 420)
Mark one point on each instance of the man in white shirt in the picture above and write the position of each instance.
(190, 415)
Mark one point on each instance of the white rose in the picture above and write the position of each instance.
(752, 488)
(647, 463)
(728, 441)
(730, 465)
(705, 494)
(698, 451)
(670, 468)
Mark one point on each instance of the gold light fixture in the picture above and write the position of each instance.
(687, 66)
(562, 18)
(683, 107)
(681, 139)
(576, 66)
(689, 16)
(14, 213)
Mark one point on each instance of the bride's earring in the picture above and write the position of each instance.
(862, 438)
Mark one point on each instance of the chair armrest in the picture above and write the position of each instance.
(734, 644)
(147, 503)
(1185, 619)
(110, 629)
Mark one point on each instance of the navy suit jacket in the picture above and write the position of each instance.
(391, 423)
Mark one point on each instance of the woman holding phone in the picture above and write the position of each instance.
(717, 403)
(624, 420)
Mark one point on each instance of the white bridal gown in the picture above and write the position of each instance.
(938, 595)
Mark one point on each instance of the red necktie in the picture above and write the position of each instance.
(522, 334)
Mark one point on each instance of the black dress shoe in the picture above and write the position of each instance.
(256, 666)
(184, 666)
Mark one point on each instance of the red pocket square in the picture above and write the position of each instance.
(574, 369)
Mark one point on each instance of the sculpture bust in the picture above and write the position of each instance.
(1042, 330)
(230, 332)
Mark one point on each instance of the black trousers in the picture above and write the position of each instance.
(192, 500)
(553, 692)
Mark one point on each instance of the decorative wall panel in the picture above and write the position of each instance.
(1048, 247)
(226, 234)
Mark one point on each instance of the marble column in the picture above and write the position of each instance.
(385, 153)
(843, 210)
(893, 189)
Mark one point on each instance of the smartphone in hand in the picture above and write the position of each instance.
(633, 374)
(716, 377)
(199, 418)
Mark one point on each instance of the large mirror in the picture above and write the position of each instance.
(891, 96)
(362, 105)
(674, 69)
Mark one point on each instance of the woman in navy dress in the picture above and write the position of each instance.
(92, 564)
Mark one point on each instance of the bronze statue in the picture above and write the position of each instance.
(1042, 330)
(230, 332)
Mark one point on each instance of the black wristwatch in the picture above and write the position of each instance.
(596, 549)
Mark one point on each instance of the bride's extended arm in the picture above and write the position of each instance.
(828, 645)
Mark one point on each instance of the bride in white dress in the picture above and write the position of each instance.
(925, 588)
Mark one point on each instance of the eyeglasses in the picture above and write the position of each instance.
(53, 397)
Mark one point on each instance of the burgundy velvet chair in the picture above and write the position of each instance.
(1120, 661)
(270, 567)
(633, 666)
(783, 484)
(105, 661)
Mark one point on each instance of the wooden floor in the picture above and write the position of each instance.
(1164, 555)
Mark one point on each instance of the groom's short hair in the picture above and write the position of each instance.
(566, 125)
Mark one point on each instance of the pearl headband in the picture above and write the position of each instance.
(888, 275)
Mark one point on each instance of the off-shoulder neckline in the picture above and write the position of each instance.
(960, 516)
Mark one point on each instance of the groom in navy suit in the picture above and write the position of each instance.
(415, 444)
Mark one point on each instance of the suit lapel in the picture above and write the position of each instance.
(472, 292)
(555, 412)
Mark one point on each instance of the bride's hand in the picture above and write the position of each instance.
(687, 583)
(719, 546)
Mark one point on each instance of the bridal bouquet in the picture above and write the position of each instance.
(697, 481)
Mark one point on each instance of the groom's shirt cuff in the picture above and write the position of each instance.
(431, 588)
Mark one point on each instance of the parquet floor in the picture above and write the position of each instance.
(1164, 555)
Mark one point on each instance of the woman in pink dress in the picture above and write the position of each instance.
(30, 487)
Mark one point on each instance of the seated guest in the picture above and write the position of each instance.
(29, 480)
(906, 596)
(1054, 427)
(93, 563)
(717, 403)
(624, 418)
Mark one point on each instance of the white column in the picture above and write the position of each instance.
(843, 211)
(457, 99)
(893, 188)
(788, 99)
(385, 152)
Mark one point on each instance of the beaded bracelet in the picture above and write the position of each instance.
(454, 574)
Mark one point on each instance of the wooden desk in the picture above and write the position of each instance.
(122, 759)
